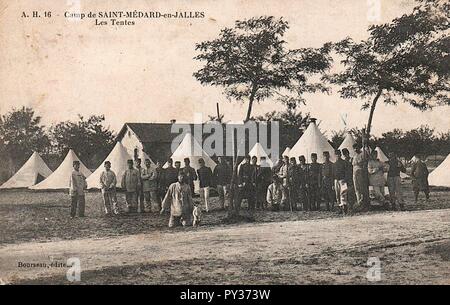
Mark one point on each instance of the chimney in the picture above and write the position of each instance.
(172, 121)
(313, 120)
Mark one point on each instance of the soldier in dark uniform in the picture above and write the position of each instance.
(314, 182)
(140, 191)
(328, 181)
(263, 176)
(247, 184)
(293, 183)
(170, 174)
(303, 174)
(160, 182)
(189, 173)
(351, 197)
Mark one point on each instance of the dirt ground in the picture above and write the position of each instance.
(280, 247)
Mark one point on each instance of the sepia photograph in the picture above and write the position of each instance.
(225, 149)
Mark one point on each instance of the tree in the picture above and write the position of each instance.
(88, 137)
(418, 141)
(406, 60)
(21, 133)
(392, 141)
(441, 145)
(251, 62)
(337, 137)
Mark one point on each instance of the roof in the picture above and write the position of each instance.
(161, 132)
(149, 132)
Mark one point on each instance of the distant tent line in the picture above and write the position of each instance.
(312, 140)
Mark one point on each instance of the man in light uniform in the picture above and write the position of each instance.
(77, 186)
(149, 177)
(108, 182)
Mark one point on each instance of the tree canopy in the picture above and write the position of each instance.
(88, 137)
(406, 60)
(252, 62)
(21, 133)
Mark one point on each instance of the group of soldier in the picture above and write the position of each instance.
(291, 184)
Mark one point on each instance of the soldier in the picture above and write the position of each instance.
(302, 172)
(314, 182)
(376, 170)
(178, 167)
(190, 173)
(277, 167)
(222, 179)
(394, 181)
(150, 185)
(161, 190)
(246, 184)
(108, 181)
(140, 192)
(340, 182)
(204, 174)
(274, 193)
(170, 174)
(327, 181)
(77, 186)
(293, 183)
(179, 200)
(263, 180)
(349, 179)
(255, 170)
(358, 177)
(283, 175)
(419, 175)
(131, 183)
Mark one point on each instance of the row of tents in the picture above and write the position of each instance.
(36, 175)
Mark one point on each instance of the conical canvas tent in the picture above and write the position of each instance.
(32, 172)
(286, 152)
(118, 158)
(258, 151)
(190, 148)
(381, 155)
(441, 175)
(312, 141)
(348, 143)
(60, 178)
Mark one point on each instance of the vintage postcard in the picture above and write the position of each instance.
(238, 142)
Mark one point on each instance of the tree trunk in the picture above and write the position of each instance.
(366, 146)
(250, 103)
(372, 110)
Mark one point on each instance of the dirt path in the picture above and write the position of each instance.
(412, 247)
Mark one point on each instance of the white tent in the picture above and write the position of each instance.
(441, 175)
(286, 152)
(32, 172)
(258, 151)
(312, 141)
(118, 158)
(381, 155)
(348, 143)
(60, 178)
(190, 148)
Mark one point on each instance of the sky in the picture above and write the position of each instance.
(143, 73)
